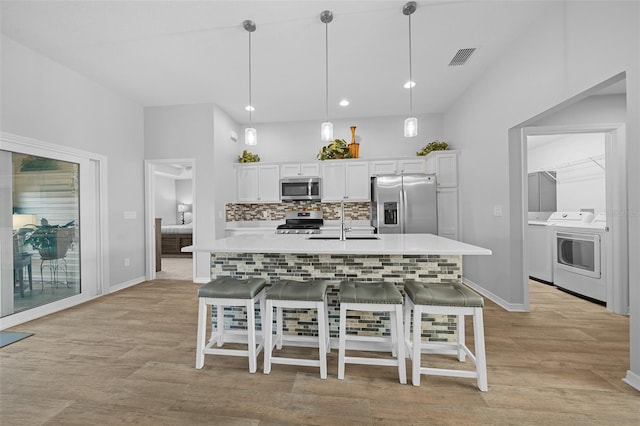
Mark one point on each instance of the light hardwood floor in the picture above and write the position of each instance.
(129, 358)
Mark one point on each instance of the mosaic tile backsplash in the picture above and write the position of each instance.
(336, 268)
(276, 211)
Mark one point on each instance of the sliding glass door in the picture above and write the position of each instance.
(45, 229)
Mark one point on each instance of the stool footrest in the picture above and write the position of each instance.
(228, 352)
(371, 361)
(295, 361)
(448, 372)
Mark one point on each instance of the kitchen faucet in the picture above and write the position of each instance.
(343, 228)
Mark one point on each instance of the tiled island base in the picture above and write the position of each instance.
(391, 268)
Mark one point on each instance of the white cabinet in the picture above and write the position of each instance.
(445, 165)
(383, 167)
(300, 169)
(258, 183)
(413, 165)
(341, 178)
(447, 199)
(358, 183)
(397, 167)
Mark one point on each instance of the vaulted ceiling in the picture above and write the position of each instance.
(185, 52)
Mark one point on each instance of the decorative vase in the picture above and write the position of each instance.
(354, 147)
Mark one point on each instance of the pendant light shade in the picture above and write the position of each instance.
(326, 128)
(411, 123)
(411, 127)
(250, 136)
(326, 131)
(250, 133)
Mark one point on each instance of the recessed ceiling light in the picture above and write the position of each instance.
(409, 84)
(344, 103)
(249, 108)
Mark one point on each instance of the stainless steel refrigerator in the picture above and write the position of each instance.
(404, 204)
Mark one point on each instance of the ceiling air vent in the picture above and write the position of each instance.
(462, 56)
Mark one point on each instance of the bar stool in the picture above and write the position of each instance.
(299, 295)
(447, 299)
(227, 291)
(372, 297)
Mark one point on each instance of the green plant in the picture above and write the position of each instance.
(248, 157)
(433, 146)
(336, 149)
(51, 241)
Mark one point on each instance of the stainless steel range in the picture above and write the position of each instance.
(301, 222)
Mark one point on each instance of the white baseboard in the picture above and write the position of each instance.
(126, 284)
(201, 280)
(632, 380)
(511, 307)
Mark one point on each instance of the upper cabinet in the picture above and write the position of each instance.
(345, 179)
(445, 165)
(397, 167)
(258, 183)
(299, 169)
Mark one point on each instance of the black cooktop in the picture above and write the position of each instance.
(302, 224)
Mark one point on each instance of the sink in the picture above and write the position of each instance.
(349, 237)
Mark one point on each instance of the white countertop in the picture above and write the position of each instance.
(416, 244)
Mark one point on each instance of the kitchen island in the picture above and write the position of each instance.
(389, 257)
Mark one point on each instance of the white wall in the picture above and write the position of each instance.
(44, 100)
(379, 137)
(579, 184)
(574, 47)
(225, 156)
(186, 132)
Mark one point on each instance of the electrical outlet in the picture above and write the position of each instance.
(127, 262)
(497, 210)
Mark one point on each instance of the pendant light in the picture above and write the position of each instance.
(411, 123)
(326, 128)
(250, 133)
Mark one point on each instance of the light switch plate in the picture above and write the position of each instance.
(129, 215)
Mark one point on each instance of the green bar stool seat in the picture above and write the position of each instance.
(446, 299)
(227, 291)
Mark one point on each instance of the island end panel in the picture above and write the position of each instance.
(336, 268)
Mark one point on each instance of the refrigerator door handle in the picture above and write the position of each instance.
(403, 210)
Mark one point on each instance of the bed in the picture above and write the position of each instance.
(174, 237)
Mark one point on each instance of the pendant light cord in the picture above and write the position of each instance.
(410, 73)
(326, 62)
(250, 104)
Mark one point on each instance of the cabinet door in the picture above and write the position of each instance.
(309, 169)
(445, 165)
(288, 170)
(386, 167)
(417, 165)
(269, 183)
(333, 180)
(448, 213)
(247, 183)
(357, 181)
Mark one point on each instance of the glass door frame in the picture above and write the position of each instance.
(93, 221)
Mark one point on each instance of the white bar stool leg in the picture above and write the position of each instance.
(342, 341)
(268, 336)
(417, 345)
(251, 335)
(399, 344)
(219, 332)
(322, 339)
(202, 332)
(461, 338)
(481, 360)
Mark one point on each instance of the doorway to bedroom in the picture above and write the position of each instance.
(170, 218)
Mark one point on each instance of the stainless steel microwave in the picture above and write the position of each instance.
(300, 188)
